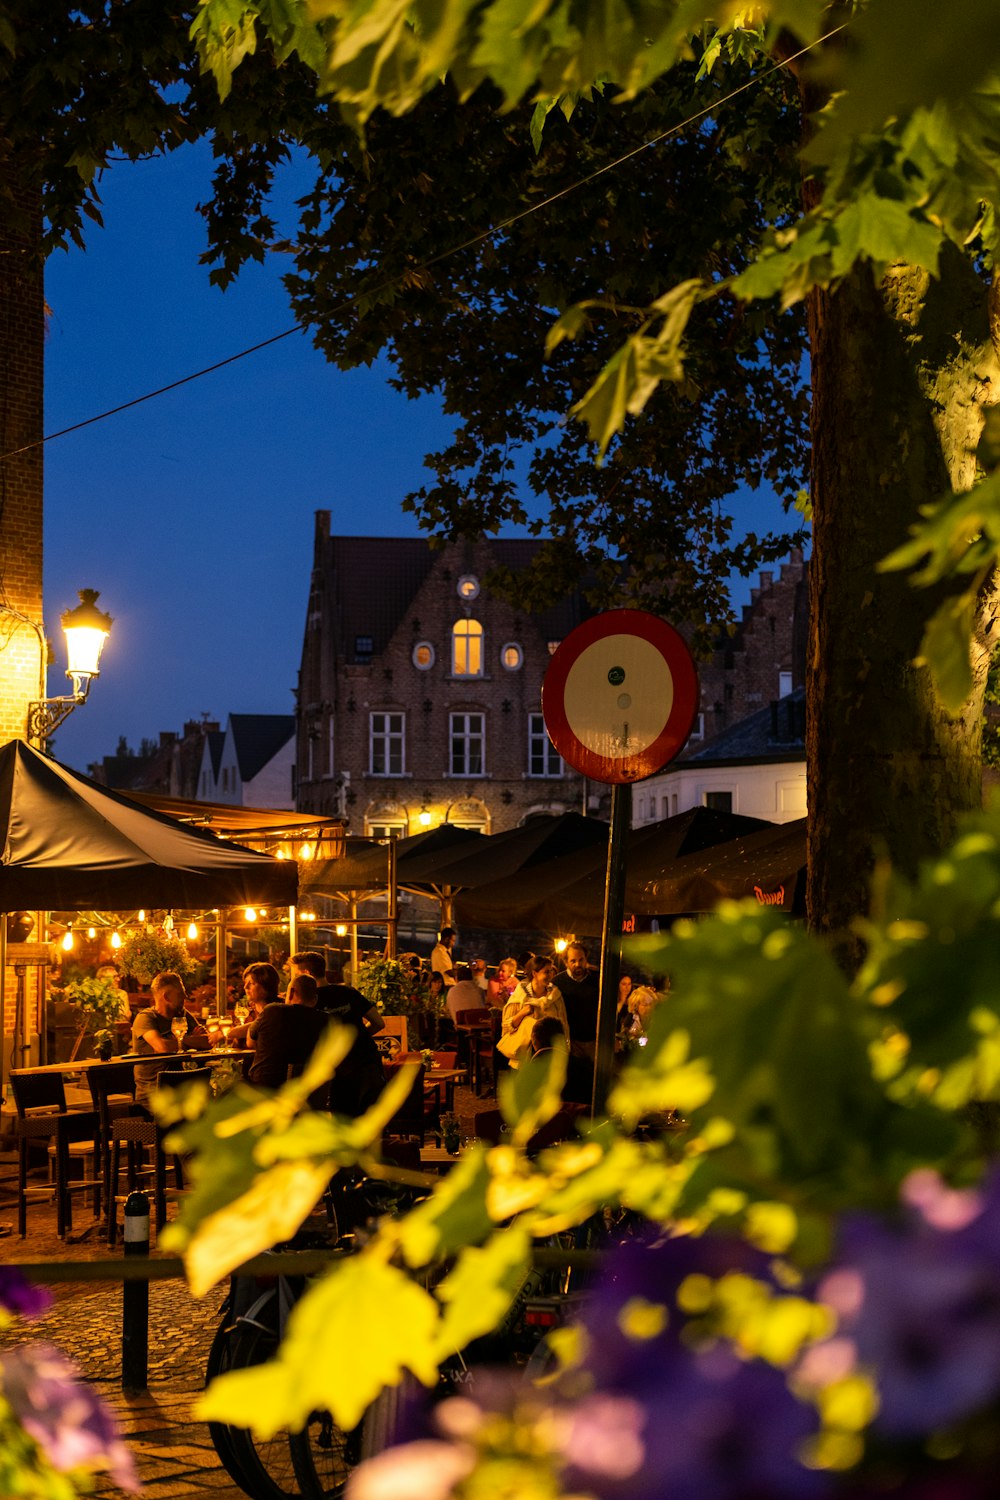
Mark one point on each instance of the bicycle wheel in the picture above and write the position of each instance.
(266, 1463)
(323, 1456)
(219, 1361)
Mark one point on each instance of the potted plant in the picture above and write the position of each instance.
(148, 951)
(104, 1042)
(99, 1004)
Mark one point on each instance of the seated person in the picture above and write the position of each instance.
(312, 962)
(153, 1033)
(464, 994)
(261, 985)
(544, 1033)
(283, 1037)
(360, 1078)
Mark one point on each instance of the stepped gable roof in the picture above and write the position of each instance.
(376, 579)
(774, 733)
(258, 738)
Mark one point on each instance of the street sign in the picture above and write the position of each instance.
(620, 696)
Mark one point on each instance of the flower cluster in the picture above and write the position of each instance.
(50, 1418)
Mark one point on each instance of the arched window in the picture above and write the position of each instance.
(467, 649)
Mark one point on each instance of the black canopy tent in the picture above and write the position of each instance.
(71, 845)
(567, 894)
(769, 864)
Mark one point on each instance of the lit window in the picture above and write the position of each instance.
(468, 740)
(553, 647)
(468, 587)
(511, 656)
(386, 741)
(467, 649)
(423, 656)
(543, 757)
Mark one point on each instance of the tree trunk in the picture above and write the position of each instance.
(901, 372)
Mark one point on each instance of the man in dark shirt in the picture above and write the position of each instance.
(360, 1078)
(284, 1035)
(578, 985)
(313, 963)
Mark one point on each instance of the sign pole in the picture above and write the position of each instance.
(611, 944)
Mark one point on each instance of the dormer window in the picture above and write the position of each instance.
(467, 649)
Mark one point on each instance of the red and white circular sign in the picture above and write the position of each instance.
(620, 696)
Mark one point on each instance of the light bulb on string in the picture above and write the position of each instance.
(250, 914)
(142, 914)
(91, 932)
(192, 931)
(68, 940)
(116, 939)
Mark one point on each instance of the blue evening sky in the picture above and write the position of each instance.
(193, 513)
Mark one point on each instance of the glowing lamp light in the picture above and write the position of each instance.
(116, 939)
(250, 914)
(67, 941)
(142, 914)
(192, 931)
(306, 851)
(86, 629)
(561, 945)
(341, 929)
(424, 818)
(263, 911)
(91, 932)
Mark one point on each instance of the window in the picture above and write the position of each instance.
(468, 735)
(543, 757)
(386, 741)
(423, 656)
(784, 684)
(719, 801)
(385, 827)
(511, 657)
(364, 645)
(467, 649)
(468, 587)
(698, 728)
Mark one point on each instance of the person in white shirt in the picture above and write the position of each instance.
(465, 994)
(441, 960)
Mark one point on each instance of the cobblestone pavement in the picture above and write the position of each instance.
(173, 1452)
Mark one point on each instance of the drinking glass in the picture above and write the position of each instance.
(179, 1028)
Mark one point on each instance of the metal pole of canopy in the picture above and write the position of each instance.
(220, 963)
(611, 943)
(3, 1007)
(393, 914)
(354, 938)
(293, 929)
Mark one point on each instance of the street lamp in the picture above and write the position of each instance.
(86, 629)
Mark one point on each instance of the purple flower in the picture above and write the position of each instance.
(63, 1414)
(21, 1296)
(921, 1303)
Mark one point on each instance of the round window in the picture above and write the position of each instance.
(423, 656)
(511, 656)
(468, 587)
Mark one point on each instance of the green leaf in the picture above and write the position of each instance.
(570, 325)
(946, 649)
(661, 1076)
(373, 1310)
(454, 1215)
(481, 1288)
(531, 1094)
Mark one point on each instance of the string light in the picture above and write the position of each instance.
(142, 914)
(91, 932)
(250, 914)
(116, 939)
(306, 852)
(68, 940)
(341, 929)
(192, 931)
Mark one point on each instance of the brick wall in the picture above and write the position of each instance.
(22, 331)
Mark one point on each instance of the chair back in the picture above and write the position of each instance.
(478, 1019)
(111, 1078)
(35, 1093)
(445, 1059)
(409, 1117)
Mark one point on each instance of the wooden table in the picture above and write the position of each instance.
(83, 1065)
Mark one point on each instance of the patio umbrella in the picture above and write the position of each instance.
(502, 854)
(71, 845)
(769, 864)
(568, 893)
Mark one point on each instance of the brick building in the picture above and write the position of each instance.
(23, 652)
(419, 692)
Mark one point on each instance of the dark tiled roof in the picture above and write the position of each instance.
(216, 739)
(776, 732)
(258, 738)
(375, 579)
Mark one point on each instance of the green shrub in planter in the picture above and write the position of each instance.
(144, 953)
